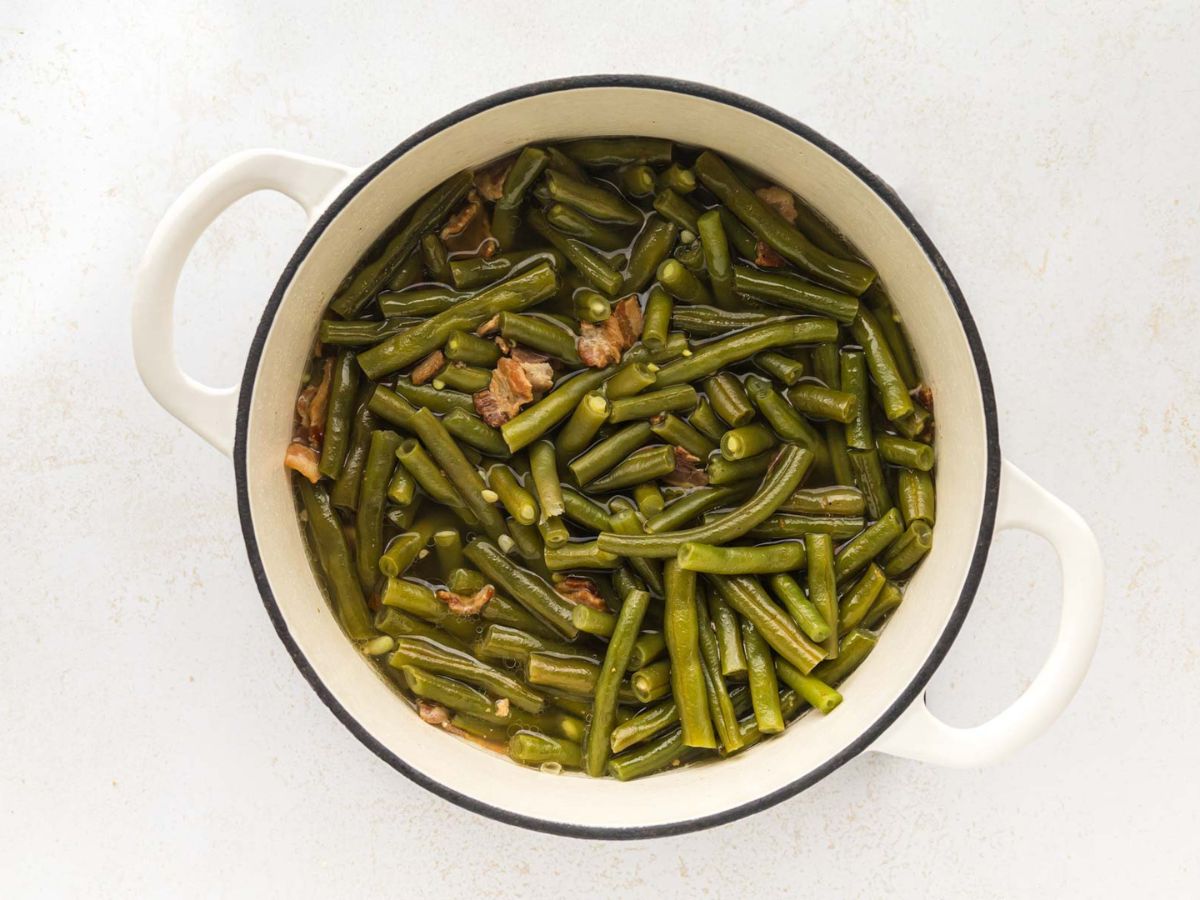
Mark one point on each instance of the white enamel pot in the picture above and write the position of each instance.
(978, 492)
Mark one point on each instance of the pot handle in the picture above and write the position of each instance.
(919, 734)
(210, 411)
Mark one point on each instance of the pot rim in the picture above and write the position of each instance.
(978, 558)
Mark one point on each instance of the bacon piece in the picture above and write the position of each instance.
(491, 326)
(687, 472)
(767, 258)
(468, 231)
(779, 200)
(463, 605)
(489, 181)
(925, 396)
(428, 367)
(502, 707)
(537, 368)
(602, 345)
(433, 713)
(303, 459)
(310, 410)
(508, 391)
(582, 590)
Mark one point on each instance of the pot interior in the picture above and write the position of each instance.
(808, 747)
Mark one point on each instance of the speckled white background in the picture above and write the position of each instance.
(156, 739)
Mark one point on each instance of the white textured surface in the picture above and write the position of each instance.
(157, 740)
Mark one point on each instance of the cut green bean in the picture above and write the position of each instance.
(368, 521)
(635, 180)
(855, 554)
(729, 636)
(339, 414)
(652, 682)
(675, 431)
(649, 499)
(593, 621)
(681, 629)
(704, 420)
(782, 368)
(854, 381)
(616, 661)
(916, 496)
(782, 526)
(648, 648)
(650, 248)
(471, 349)
(720, 705)
(764, 687)
(590, 306)
(767, 558)
(728, 398)
(868, 475)
(887, 601)
(645, 725)
(472, 430)
(694, 504)
(793, 292)
(800, 608)
(361, 333)
(424, 654)
(675, 209)
(716, 355)
(746, 441)
(681, 284)
(584, 510)
(641, 465)
(717, 260)
(857, 602)
(591, 199)
(906, 551)
(815, 692)
(526, 587)
(425, 471)
(530, 748)
(822, 402)
(519, 503)
(603, 456)
(854, 648)
(603, 153)
(893, 392)
(901, 452)
(751, 601)
(581, 428)
(461, 377)
(707, 321)
(676, 398)
(334, 556)
(826, 501)
(419, 302)
(632, 379)
(722, 470)
(541, 334)
(822, 585)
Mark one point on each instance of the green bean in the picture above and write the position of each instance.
(728, 634)
(720, 706)
(525, 170)
(581, 428)
(503, 611)
(401, 488)
(635, 180)
(853, 649)
(470, 349)
(451, 694)
(649, 499)
(418, 463)
(681, 284)
(916, 423)
(473, 431)
(893, 393)
(584, 510)
(402, 516)
(681, 630)
(722, 470)
(868, 475)
(603, 456)
(645, 725)
(402, 551)
(503, 643)
(784, 420)
(728, 399)
(591, 199)
(419, 302)
(447, 547)
(459, 470)
(649, 646)
(520, 291)
(433, 254)
(616, 661)
(553, 531)
(691, 255)
(889, 324)
(823, 402)
(357, 333)
(827, 365)
(541, 334)
(839, 458)
(411, 270)
(483, 730)
(764, 688)
(677, 398)
(791, 465)
(815, 692)
(569, 674)
(375, 274)
(822, 585)
(691, 505)
(719, 354)
(826, 501)
(791, 291)
(906, 551)
(368, 522)
(461, 377)
(746, 441)
(704, 420)
(782, 368)
(602, 153)
(650, 248)
(393, 622)
(530, 748)
(916, 496)
(526, 587)
(590, 306)
(593, 621)
(339, 414)
(857, 601)
(519, 503)
(748, 598)
(776, 232)
(854, 555)
(745, 243)
(707, 321)
(560, 162)
(887, 601)
(334, 556)
(641, 465)
(781, 526)
(800, 608)
(652, 682)
(656, 318)
(440, 401)
(632, 379)
(579, 555)
(547, 486)
(664, 752)
(781, 557)
(625, 520)
(424, 654)
(574, 223)
(901, 452)
(534, 421)
(854, 381)
(679, 433)
(677, 210)
(418, 600)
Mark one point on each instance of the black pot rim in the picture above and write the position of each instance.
(978, 559)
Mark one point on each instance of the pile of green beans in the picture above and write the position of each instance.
(643, 565)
